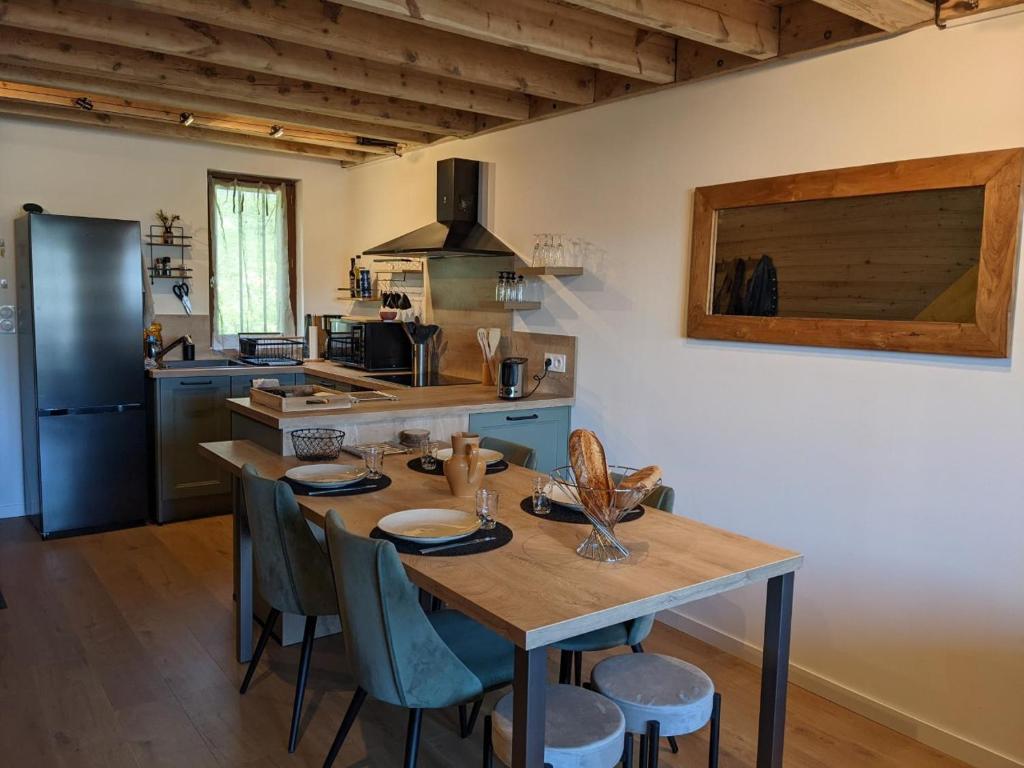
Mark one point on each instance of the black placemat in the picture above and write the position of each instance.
(366, 485)
(492, 469)
(502, 535)
(560, 514)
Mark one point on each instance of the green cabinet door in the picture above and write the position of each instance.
(546, 430)
(240, 385)
(191, 410)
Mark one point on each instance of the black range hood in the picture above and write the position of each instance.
(457, 231)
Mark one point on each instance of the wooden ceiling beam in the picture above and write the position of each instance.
(192, 101)
(173, 115)
(810, 27)
(364, 35)
(748, 27)
(189, 39)
(168, 130)
(890, 15)
(28, 48)
(544, 28)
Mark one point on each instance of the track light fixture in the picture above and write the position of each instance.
(276, 131)
(83, 103)
(186, 118)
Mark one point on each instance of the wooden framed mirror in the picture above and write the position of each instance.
(913, 256)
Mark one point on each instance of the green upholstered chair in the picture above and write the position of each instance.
(520, 455)
(397, 653)
(293, 573)
(630, 633)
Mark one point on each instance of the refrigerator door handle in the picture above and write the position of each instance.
(120, 408)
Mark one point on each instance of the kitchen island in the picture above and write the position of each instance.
(541, 421)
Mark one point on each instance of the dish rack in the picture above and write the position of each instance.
(271, 349)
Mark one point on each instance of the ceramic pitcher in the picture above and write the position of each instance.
(461, 439)
(465, 470)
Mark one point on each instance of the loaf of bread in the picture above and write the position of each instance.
(586, 454)
(645, 479)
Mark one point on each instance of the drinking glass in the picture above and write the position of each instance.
(487, 508)
(428, 457)
(373, 455)
(538, 251)
(558, 260)
(541, 495)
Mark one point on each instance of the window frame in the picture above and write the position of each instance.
(289, 186)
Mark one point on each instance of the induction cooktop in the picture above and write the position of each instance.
(429, 380)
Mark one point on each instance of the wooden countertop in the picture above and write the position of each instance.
(222, 370)
(412, 402)
(536, 590)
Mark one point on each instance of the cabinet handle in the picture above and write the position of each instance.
(522, 418)
(196, 383)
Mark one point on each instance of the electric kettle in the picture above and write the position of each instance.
(512, 378)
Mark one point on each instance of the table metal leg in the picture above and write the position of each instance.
(243, 574)
(778, 619)
(530, 690)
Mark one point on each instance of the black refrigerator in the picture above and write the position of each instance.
(80, 360)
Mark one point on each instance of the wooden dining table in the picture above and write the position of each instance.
(536, 590)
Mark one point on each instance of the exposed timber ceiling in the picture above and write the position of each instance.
(353, 80)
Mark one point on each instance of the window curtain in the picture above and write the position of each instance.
(252, 292)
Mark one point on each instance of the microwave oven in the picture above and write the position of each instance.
(370, 345)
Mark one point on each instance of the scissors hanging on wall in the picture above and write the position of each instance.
(181, 290)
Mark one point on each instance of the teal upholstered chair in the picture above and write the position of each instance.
(397, 653)
(630, 633)
(520, 455)
(293, 573)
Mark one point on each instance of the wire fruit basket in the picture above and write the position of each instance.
(317, 444)
(604, 508)
(271, 349)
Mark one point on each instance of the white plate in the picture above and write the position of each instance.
(563, 498)
(327, 475)
(429, 526)
(443, 454)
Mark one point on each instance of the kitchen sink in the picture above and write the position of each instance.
(217, 362)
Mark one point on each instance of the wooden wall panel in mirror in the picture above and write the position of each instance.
(913, 256)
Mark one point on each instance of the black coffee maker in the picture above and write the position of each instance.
(512, 378)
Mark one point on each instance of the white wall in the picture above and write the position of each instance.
(95, 172)
(899, 476)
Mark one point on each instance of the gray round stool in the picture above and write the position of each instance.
(582, 729)
(659, 696)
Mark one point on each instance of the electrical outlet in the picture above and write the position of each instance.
(557, 362)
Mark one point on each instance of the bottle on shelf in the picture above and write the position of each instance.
(520, 290)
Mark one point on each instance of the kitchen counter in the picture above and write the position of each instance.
(432, 402)
(221, 370)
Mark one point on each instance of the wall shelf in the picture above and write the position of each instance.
(511, 306)
(160, 266)
(553, 271)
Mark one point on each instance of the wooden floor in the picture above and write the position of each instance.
(115, 651)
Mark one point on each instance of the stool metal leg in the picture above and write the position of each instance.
(716, 718)
(466, 724)
(643, 750)
(578, 667)
(627, 751)
(653, 735)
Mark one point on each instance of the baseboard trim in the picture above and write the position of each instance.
(945, 741)
(11, 510)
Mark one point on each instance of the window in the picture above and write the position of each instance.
(252, 257)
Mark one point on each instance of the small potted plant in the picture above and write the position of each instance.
(168, 219)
